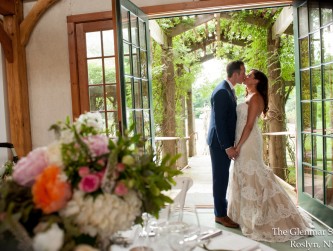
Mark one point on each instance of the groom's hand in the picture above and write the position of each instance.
(232, 153)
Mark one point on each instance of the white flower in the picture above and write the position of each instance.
(50, 240)
(67, 136)
(53, 154)
(90, 119)
(105, 215)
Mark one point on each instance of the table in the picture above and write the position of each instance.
(226, 241)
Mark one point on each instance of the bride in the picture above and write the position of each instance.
(256, 200)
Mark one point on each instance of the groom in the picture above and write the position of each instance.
(221, 137)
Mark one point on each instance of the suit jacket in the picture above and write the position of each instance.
(222, 127)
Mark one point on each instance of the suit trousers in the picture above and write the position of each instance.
(220, 173)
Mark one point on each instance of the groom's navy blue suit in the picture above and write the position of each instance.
(221, 135)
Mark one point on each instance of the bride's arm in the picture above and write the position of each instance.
(253, 111)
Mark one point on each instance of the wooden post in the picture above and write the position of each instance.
(17, 85)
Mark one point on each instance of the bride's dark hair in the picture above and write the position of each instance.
(262, 87)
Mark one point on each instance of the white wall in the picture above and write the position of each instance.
(48, 63)
(48, 66)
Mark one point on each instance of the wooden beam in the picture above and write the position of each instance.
(157, 33)
(6, 43)
(210, 40)
(283, 22)
(33, 17)
(7, 7)
(201, 19)
(17, 86)
(197, 7)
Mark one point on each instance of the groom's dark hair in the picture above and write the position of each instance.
(234, 66)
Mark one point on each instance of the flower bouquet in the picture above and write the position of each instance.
(82, 188)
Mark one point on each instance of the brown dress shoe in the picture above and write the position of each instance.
(226, 221)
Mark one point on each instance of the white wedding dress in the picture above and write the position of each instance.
(256, 200)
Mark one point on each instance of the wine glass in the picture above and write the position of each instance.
(183, 227)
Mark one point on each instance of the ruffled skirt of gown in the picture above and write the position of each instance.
(256, 200)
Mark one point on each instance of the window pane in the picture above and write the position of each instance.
(96, 98)
(328, 81)
(111, 97)
(303, 20)
(305, 85)
(142, 31)
(314, 15)
(144, 64)
(327, 43)
(139, 122)
(317, 118)
(93, 43)
(318, 151)
(304, 52)
(315, 48)
(146, 123)
(307, 153)
(329, 154)
(306, 119)
(108, 43)
(129, 93)
(95, 71)
(318, 184)
(125, 23)
(326, 12)
(134, 30)
(137, 93)
(110, 70)
(136, 62)
(328, 120)
(329, 189)
(307, 177)
(145, 94)
(113, 126)
(130, 119)
(127, 59)
(316, 83)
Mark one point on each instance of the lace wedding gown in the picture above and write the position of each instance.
(256, 200)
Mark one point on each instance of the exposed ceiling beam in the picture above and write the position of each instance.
(201, 19)
(283, 22)
(197, 7)
(7, 7)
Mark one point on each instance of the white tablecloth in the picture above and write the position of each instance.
(226, 241)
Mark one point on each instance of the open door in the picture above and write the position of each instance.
(133, 69)
(313, 30)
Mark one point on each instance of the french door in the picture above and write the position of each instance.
(133, 68)
(313, 32)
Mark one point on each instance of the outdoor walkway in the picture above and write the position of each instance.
(200, 194)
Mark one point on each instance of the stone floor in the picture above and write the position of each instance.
(200, 194)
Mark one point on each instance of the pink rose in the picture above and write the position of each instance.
(98, 144)
(121, 189)
(29, 167)
(89, 183)
(120, 167)
(83, 171)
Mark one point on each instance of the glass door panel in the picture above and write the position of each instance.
(314, 86)
(132, 39)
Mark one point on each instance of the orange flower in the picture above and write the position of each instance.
(50, 193)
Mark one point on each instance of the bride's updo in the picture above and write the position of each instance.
(262, 87)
